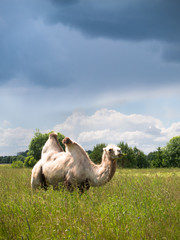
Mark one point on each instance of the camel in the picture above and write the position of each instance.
(73, 168)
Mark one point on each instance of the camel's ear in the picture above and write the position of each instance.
(104, 149)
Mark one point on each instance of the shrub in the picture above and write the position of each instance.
(17, 164)
(29, 161)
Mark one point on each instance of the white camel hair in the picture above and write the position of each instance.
(73, 168)
(50, 148)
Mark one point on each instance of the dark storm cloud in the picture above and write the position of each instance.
(133, 20)
(32, 49)
(65, 2)
(27, 49)
(172, 53)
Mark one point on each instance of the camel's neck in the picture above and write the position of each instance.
(97, 175)
(104, 172)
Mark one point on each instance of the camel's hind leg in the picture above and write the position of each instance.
(37, 178)
(43, 182)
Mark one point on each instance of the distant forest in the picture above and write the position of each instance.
(168, 156)
(9, 159)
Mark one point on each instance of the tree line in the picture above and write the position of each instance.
(167, 156)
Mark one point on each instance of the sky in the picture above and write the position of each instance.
(102, 71)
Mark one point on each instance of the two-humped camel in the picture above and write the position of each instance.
(72, 168)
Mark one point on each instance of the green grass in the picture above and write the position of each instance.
(135, 204)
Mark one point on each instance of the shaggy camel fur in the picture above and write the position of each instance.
(73, 168)
(85, 170)
(50, 148)
(52, 144)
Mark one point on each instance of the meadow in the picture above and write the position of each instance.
(135, 204)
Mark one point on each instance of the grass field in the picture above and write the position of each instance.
(135, 204)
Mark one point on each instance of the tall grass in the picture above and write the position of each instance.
(135, 204)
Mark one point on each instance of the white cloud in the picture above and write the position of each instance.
(104, 126)
(6, 123)
(168, 133)
(14, 140)
(110, 126)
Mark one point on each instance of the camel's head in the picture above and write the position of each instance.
(112, 151)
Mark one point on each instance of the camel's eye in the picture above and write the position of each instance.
(110, 150)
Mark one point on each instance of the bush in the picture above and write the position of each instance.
(17, 164)
(29, 161)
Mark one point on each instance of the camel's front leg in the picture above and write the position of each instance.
(69, 180)
(68, 185)
(83, 186)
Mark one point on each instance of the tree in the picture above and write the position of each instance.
(96, 154)
(37, 143)
(129, 159)
(20, 158)
(23, 153)
(150, 158)
(141, 158)
(172, 153)
(155, 158)
(168, 156)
